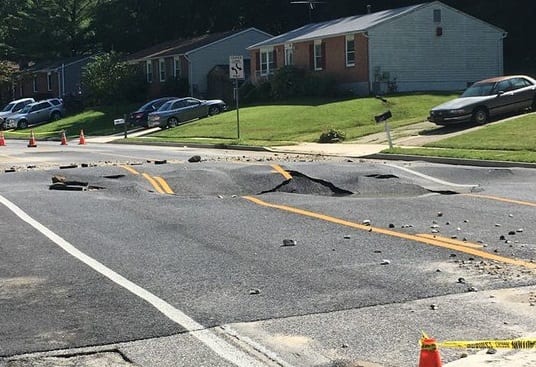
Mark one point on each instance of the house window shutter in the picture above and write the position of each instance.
(311, 56)
(323, 52)
(257, 61)
(275, 60)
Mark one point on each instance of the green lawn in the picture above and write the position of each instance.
(303, 121)
(512, 140)
(94, 121)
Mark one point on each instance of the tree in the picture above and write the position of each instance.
(35, 30)
(108, 79)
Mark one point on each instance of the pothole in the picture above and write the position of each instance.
(63, 184)
(303, 184)
(96, 359)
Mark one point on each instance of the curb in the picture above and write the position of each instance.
(444, 160)
(375, 156)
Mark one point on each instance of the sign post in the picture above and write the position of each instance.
(236, 71)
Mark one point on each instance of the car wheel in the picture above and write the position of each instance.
(22, 124)
(55, 116)
(172, 122)
(480, 116)
(213, 110)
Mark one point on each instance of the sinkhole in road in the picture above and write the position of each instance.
(370, 185)
(303, 184)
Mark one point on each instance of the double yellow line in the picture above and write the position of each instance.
(429, 239)
(160, 185)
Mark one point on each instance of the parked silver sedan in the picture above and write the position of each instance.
(488, 98)
(178, 111)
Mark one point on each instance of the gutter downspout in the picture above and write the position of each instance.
(370, 81)
(190, 74)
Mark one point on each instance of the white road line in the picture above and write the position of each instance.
(429, 178)
(218, 345)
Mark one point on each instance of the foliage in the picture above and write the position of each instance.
(177, 87)
(316, 85)
(332, 136)
(37, 29)
(288, 82)
(107, 79)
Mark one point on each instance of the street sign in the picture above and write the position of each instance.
(236, 67)
(383, 117)
(119, 122)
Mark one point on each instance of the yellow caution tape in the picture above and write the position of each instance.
(487, 344)
(428, 343)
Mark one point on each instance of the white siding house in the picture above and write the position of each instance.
(434, 47)
(203, 59)
(424, 47)
(192, 59)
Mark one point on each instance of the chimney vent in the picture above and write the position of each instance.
(369, 9)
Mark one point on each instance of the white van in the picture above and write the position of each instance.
(12, 108)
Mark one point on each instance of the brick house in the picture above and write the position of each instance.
(424, 47)
(193, 58)
(49, 79)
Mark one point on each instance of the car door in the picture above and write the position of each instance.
(504, 102)
(195, 109)
(523, 93)
(178, 110)
(39, 113)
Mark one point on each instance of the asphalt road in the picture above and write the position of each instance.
(251, 258)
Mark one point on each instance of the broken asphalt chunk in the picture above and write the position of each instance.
(287, 243)
(194, 159)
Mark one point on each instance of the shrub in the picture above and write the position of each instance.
(108, 79)
(177, 87)
(316, 85)
(332, 136)
(287, 82)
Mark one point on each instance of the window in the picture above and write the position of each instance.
(267, 61)
(289, 54)
(34, 83)
(49, 82)
(437, 15)
(318, 59)
(350, 50)
(162, 69)
(176, 67)
(149, 68)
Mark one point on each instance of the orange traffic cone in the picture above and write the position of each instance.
(32, 143)
(429, 353)
(63, 138)
(82, 138)
(2, 139)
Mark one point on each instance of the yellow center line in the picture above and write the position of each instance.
(282, 172)
(164, 185)
(449, 240)
(159, 184)
(506, 200)
(421, 239)
(130, 169)
(153, 182)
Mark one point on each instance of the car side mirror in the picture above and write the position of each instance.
(500, 93)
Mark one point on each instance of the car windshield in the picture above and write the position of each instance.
(8, 107)
(479, 90)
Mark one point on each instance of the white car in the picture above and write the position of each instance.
(13, 107)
